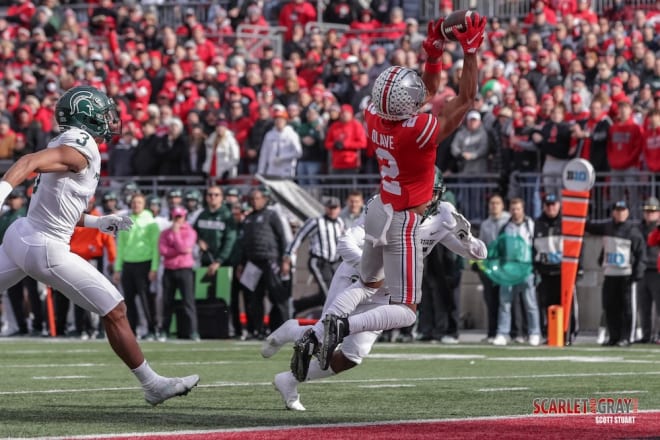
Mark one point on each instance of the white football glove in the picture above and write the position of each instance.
(461, 228)
(110, 224)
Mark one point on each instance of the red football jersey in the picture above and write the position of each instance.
(406, 157)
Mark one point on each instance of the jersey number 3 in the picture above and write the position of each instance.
(389, 171)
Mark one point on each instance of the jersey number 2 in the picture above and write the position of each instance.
(389, 171)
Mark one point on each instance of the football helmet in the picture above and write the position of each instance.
(193, 194)
(90, 110)
(110, 195)
(154, 200)
(129, 189)
(398, 93)
(439, 189)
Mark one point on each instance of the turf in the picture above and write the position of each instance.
(65, 387)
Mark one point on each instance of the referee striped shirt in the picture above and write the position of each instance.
(324, 233)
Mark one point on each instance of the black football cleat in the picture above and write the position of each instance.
(303, 350)
(334, 331)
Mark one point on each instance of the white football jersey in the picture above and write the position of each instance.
(59, 199)
(432, 231)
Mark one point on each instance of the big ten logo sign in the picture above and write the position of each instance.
(581, 176)
(551, 258)
(614, 259)
(578, 175)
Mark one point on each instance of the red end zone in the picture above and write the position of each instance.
(584, 427)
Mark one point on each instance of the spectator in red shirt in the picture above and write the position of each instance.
(138, 89)
(617, 95)
(45, 115)
(395, 29)
(651, 148)
(296, 11)
(190, 21)
(585, 13)
(190, 96)
(345, 139)
(240, 124)
(364, 26)
(624, 150)
(205, 48)
(540, 8)
(619, 11)
(578, 110)
(21, 12)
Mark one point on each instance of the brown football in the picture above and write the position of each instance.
(455, 21)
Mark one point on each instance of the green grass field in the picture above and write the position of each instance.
(67, 387)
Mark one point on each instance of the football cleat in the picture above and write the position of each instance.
(334, 331)
(286, 385)
(169, 387)
(278, 338)
(303, 350)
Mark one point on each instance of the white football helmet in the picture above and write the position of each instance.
(398, 93)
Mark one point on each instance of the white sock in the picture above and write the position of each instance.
(385, 317)
(315, 371)
(318, 329)
(145, 374)
(345, 302)
(299, 331)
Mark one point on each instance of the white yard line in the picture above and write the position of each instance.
(221, 384)
(392, 385)
(497, 390)
(58, 377)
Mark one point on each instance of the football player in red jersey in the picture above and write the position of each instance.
(405, 142)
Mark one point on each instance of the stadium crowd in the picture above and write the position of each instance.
(197, 99)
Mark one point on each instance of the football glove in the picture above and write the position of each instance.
(109, 224)
(461, 227)
(473, 35)
(434, 42)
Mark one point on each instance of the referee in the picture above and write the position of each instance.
(324, 231)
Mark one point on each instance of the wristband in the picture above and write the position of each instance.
(5, 189)
(433, 67)
(90, 221)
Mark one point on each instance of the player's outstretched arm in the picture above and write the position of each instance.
(455, 110)
(434, 47)
(51, 160)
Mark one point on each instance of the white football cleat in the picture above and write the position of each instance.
(500, 340)
(535, 340)
(287, 386)
(282, 335)
(169, 387)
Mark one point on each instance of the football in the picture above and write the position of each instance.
(455, 21)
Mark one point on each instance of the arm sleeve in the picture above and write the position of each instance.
(228, 239)
(264, 151)
(235, 152)
(483, 144)
(639, 250)
(122, 237)
(456, 144)
(330, 139)
(276, 224)
(349, 246)
(308, 227)
(154, 235)
(163, 247)
(296, 149)
(654, 237)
